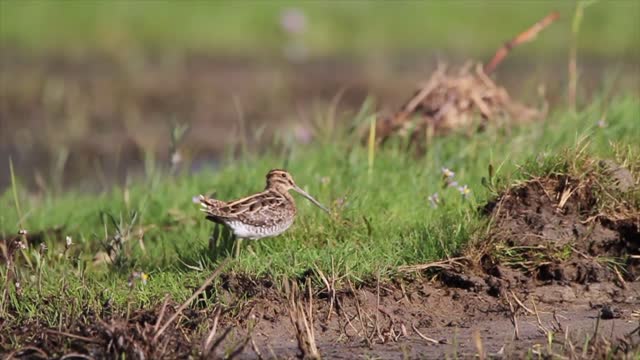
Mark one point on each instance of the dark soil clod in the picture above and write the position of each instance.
(550, 229)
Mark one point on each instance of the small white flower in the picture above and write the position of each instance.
(176, 158)
(23, 232)
(69, 242)
(434, 199)
(22, 245)
(196, 199)
(447, 173)
(464, 190)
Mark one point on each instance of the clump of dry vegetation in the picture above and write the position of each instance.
(452, 100)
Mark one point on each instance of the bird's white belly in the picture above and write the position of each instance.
(246, 231)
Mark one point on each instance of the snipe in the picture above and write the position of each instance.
(265, 214)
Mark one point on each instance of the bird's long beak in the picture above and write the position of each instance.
(310, 198)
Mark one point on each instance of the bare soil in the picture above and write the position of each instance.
(455, 318)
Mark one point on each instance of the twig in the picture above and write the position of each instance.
(520, 303)
(514, 319)
(256, 349)
(542, 327)
(161, 315)
(73, 336)
(76, 356)
(330, 290)
(359, 312)
(207, 345)
(190, 299)
(522, 38)
(377, 320)
(433, 341)
(346, 316)
(558, 325)
(425, 90)
(479, 345)
(446, 264)
(623, 284)
(302, 321)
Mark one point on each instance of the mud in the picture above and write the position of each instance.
(387, 321)
(550, 229)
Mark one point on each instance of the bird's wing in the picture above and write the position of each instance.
(261, 209)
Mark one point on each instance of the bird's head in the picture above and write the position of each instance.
(281, 181)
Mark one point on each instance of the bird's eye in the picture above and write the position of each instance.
(283, 175)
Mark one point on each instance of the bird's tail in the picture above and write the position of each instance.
(211, 206)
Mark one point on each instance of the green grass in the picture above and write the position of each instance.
(381, 215)
(474, 27)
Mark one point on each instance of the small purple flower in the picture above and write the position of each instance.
(452, 184)
(602, 123)
(293, 21)
(303, 134)
(196, 199)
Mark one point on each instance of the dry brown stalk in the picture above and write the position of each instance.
(207, 344)
(445, 264)
(520, 303)
(302, 320)
(477, 339)
(377, 323)
(360, 317)
(523, 37)
(514, 319)
(256, 349)
(161, 315)
(433, 341)
(73, 336)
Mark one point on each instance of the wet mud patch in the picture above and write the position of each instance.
(412, 316)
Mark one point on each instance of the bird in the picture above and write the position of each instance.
(265, 214)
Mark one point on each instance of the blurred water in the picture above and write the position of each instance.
(94, 120)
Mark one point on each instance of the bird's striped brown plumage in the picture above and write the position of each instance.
(265, 214)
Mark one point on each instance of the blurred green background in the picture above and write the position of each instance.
(248, 27)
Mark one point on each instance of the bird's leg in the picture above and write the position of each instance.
(237, 249)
